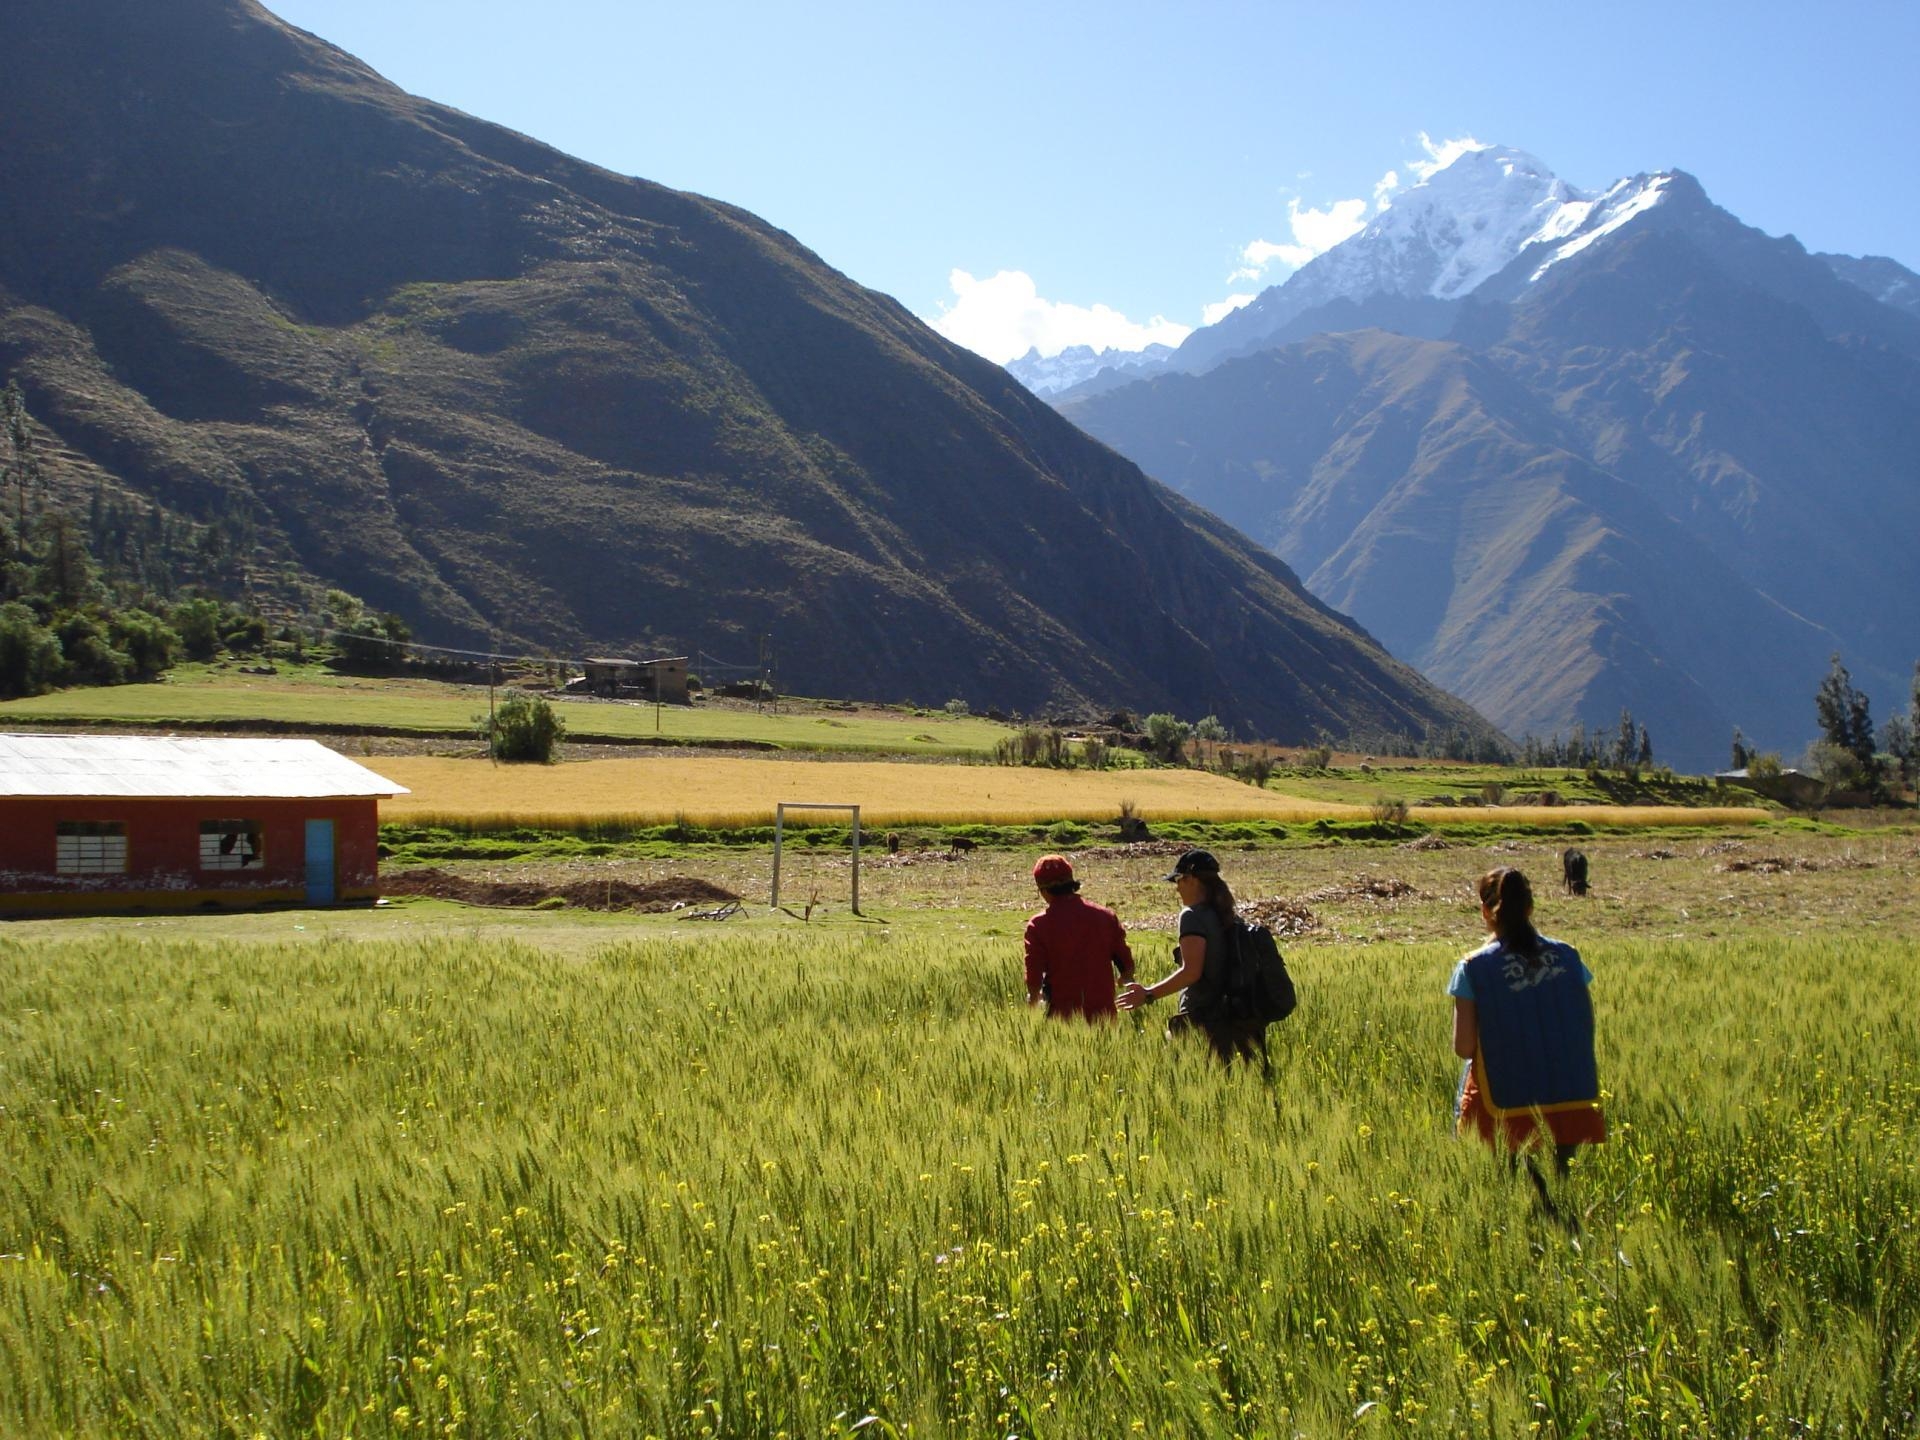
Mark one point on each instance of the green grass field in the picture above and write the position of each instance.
(431, 1171)
(208, 696)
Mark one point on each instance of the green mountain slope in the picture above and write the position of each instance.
(519, 400)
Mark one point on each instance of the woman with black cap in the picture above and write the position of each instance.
(1206, 918)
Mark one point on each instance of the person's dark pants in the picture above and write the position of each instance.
(1228, 1038)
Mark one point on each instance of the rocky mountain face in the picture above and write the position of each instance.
(1657, 460)
(523, 402)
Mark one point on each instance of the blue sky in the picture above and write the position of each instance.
(1059, 173)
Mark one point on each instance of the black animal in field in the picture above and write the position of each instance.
(960, 845)
(1573, 870)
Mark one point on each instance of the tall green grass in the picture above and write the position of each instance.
(753, 1185)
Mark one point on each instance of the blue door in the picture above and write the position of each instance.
(319, 862)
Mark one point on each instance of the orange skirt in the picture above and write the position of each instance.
(1520, 1130)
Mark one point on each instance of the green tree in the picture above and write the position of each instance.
(1209, 732)
(148, 642)
(524, 728)
(89, 652)
(66, 575)
(29, 652)
(197, 622)
(1838, 767)
(1844, 718)
(1896, 738)
(364, 641)
(1623, 742)
(1912, 769)
(1167, 737)
(21, 467)
(342, 609)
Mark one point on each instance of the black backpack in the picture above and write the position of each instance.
(1258, 987)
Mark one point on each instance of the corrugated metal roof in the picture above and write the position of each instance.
(180, 768)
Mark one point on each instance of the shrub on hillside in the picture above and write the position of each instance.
(524, 728)
(1388, 810)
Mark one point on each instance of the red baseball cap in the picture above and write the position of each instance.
(1052, 870)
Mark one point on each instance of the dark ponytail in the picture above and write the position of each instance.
(1508, 899)
(1219, 896)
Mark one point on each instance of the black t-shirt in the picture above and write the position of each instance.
(1202, 998)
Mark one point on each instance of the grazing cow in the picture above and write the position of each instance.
(959, 845)
(1573, 870)
(893, 842)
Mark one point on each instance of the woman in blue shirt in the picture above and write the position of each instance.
(1523, 1021)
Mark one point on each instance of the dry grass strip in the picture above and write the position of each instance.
(738, 791)
(733, 791)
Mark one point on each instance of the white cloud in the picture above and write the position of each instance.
(1004, 316)
(1314, 233)
(1441, 153)
(1220, 309)
(1317, 231)
(1321, 230)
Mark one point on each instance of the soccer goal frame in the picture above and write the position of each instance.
(780, 809)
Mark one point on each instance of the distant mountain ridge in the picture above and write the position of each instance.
(524, 402)
(1046, 374)
(1653, 460)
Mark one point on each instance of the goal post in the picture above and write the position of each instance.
(780, 809)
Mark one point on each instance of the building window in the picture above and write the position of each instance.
(90, 847)
(229, 844)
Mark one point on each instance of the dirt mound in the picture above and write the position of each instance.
(675, 892)
(1723, 847)
(1367, 887)
(1133, 850)
(1650, 855)
(1426, 842)
(1789, 865)
(1283, 917)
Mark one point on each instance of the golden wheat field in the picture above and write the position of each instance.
(726, 790)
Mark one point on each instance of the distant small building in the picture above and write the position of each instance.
(94, 822)
(664, 679)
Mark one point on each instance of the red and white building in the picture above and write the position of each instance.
(97, 822)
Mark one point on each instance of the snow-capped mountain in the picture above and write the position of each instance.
(1050, 374)
(1440, 241)
(1407, 270)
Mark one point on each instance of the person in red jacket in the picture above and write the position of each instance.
(1074, 948)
